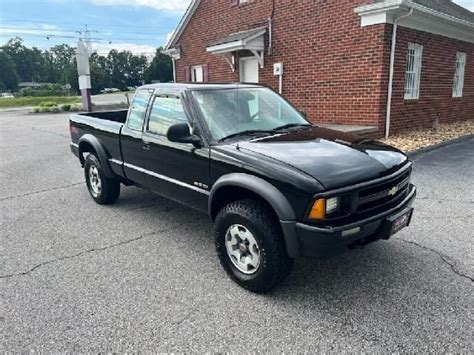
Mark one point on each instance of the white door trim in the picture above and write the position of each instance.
(241, 67)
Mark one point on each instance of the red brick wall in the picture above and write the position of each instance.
(436, 85)
(335, 70)
(332, 66)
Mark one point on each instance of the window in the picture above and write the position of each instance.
(413, 72)
(230, 111)
(458, 83)
(165, 112)
(197, 74)
(138, 109)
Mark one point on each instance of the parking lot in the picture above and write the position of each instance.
(142, 274)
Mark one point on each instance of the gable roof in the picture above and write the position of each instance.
(447, 7)
(182, 23)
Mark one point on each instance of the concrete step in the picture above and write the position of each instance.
(349, 128)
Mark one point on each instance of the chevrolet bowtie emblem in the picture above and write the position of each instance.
(393, 191)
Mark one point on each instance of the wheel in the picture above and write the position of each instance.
(102, 189)
(250, 245)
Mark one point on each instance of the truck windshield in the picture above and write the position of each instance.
(230, 112)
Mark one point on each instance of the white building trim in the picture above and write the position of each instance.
(254, 43)
(183, 23)
(423, 19)
(175, 54)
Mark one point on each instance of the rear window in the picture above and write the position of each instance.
(165, 112)
(138, 109)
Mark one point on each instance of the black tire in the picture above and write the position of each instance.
(109, 188)
(256, 216)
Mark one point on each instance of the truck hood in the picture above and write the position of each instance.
(334, 158)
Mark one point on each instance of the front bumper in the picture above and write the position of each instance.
(326, 242)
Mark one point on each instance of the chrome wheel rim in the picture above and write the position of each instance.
(94, 181)
(242, 249)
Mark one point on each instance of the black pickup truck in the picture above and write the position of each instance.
(276, 186)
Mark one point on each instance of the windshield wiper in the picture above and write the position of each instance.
(291, 125)
(246, 133)
(262, 131)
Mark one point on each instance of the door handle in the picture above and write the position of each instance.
(146, 145)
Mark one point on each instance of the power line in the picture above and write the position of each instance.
(43, 22)
(26, 28)
(58, 33)
(49, 36)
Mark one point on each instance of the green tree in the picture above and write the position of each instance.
(63, 57)
(58, 65)
(31, 63)
(161, 68)
(137, 67)
(99, 76)
(22, 58)
(125, 69)
(8, 75)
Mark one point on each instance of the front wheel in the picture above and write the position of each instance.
(102, 189)
(250, 245)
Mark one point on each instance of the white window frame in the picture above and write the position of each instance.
(413, 71)
(459, 68)
(197, 74)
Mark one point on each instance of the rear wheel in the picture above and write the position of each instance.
(102, 189)
(250, 246)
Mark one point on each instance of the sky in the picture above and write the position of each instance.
(136, 25)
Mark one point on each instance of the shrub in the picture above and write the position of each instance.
(43, 90)
(43, 109)
(36, 109)
(54, 109)
(66, 107)
(48, 104)
(35, 101)
(76, 107)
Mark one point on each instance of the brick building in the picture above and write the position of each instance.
(408, 63)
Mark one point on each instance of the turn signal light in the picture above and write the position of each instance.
(318, 211)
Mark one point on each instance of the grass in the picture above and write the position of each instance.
(35, 101)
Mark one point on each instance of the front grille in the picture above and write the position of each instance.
(385, 194)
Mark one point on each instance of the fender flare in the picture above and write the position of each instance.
(100, 151)
(274, 198)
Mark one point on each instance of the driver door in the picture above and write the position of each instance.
(179, 171)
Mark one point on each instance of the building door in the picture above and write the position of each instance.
(248, 70)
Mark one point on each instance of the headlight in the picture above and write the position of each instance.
(332, 204)
(322, 207)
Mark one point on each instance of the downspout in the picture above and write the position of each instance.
(270, 28)
(174, 69)
(390, 77)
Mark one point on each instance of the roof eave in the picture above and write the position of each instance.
(248, 43)
(387, 11)
(182, 24)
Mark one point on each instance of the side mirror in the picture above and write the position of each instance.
(180, 133)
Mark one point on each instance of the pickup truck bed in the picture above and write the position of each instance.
(119, 116)
(104, 129)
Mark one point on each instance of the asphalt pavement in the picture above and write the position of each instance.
(142, 275)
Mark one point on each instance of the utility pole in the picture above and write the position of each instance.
(83, 69)
(85, 34)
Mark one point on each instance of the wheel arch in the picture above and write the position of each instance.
(90, 144)
(244, 185)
